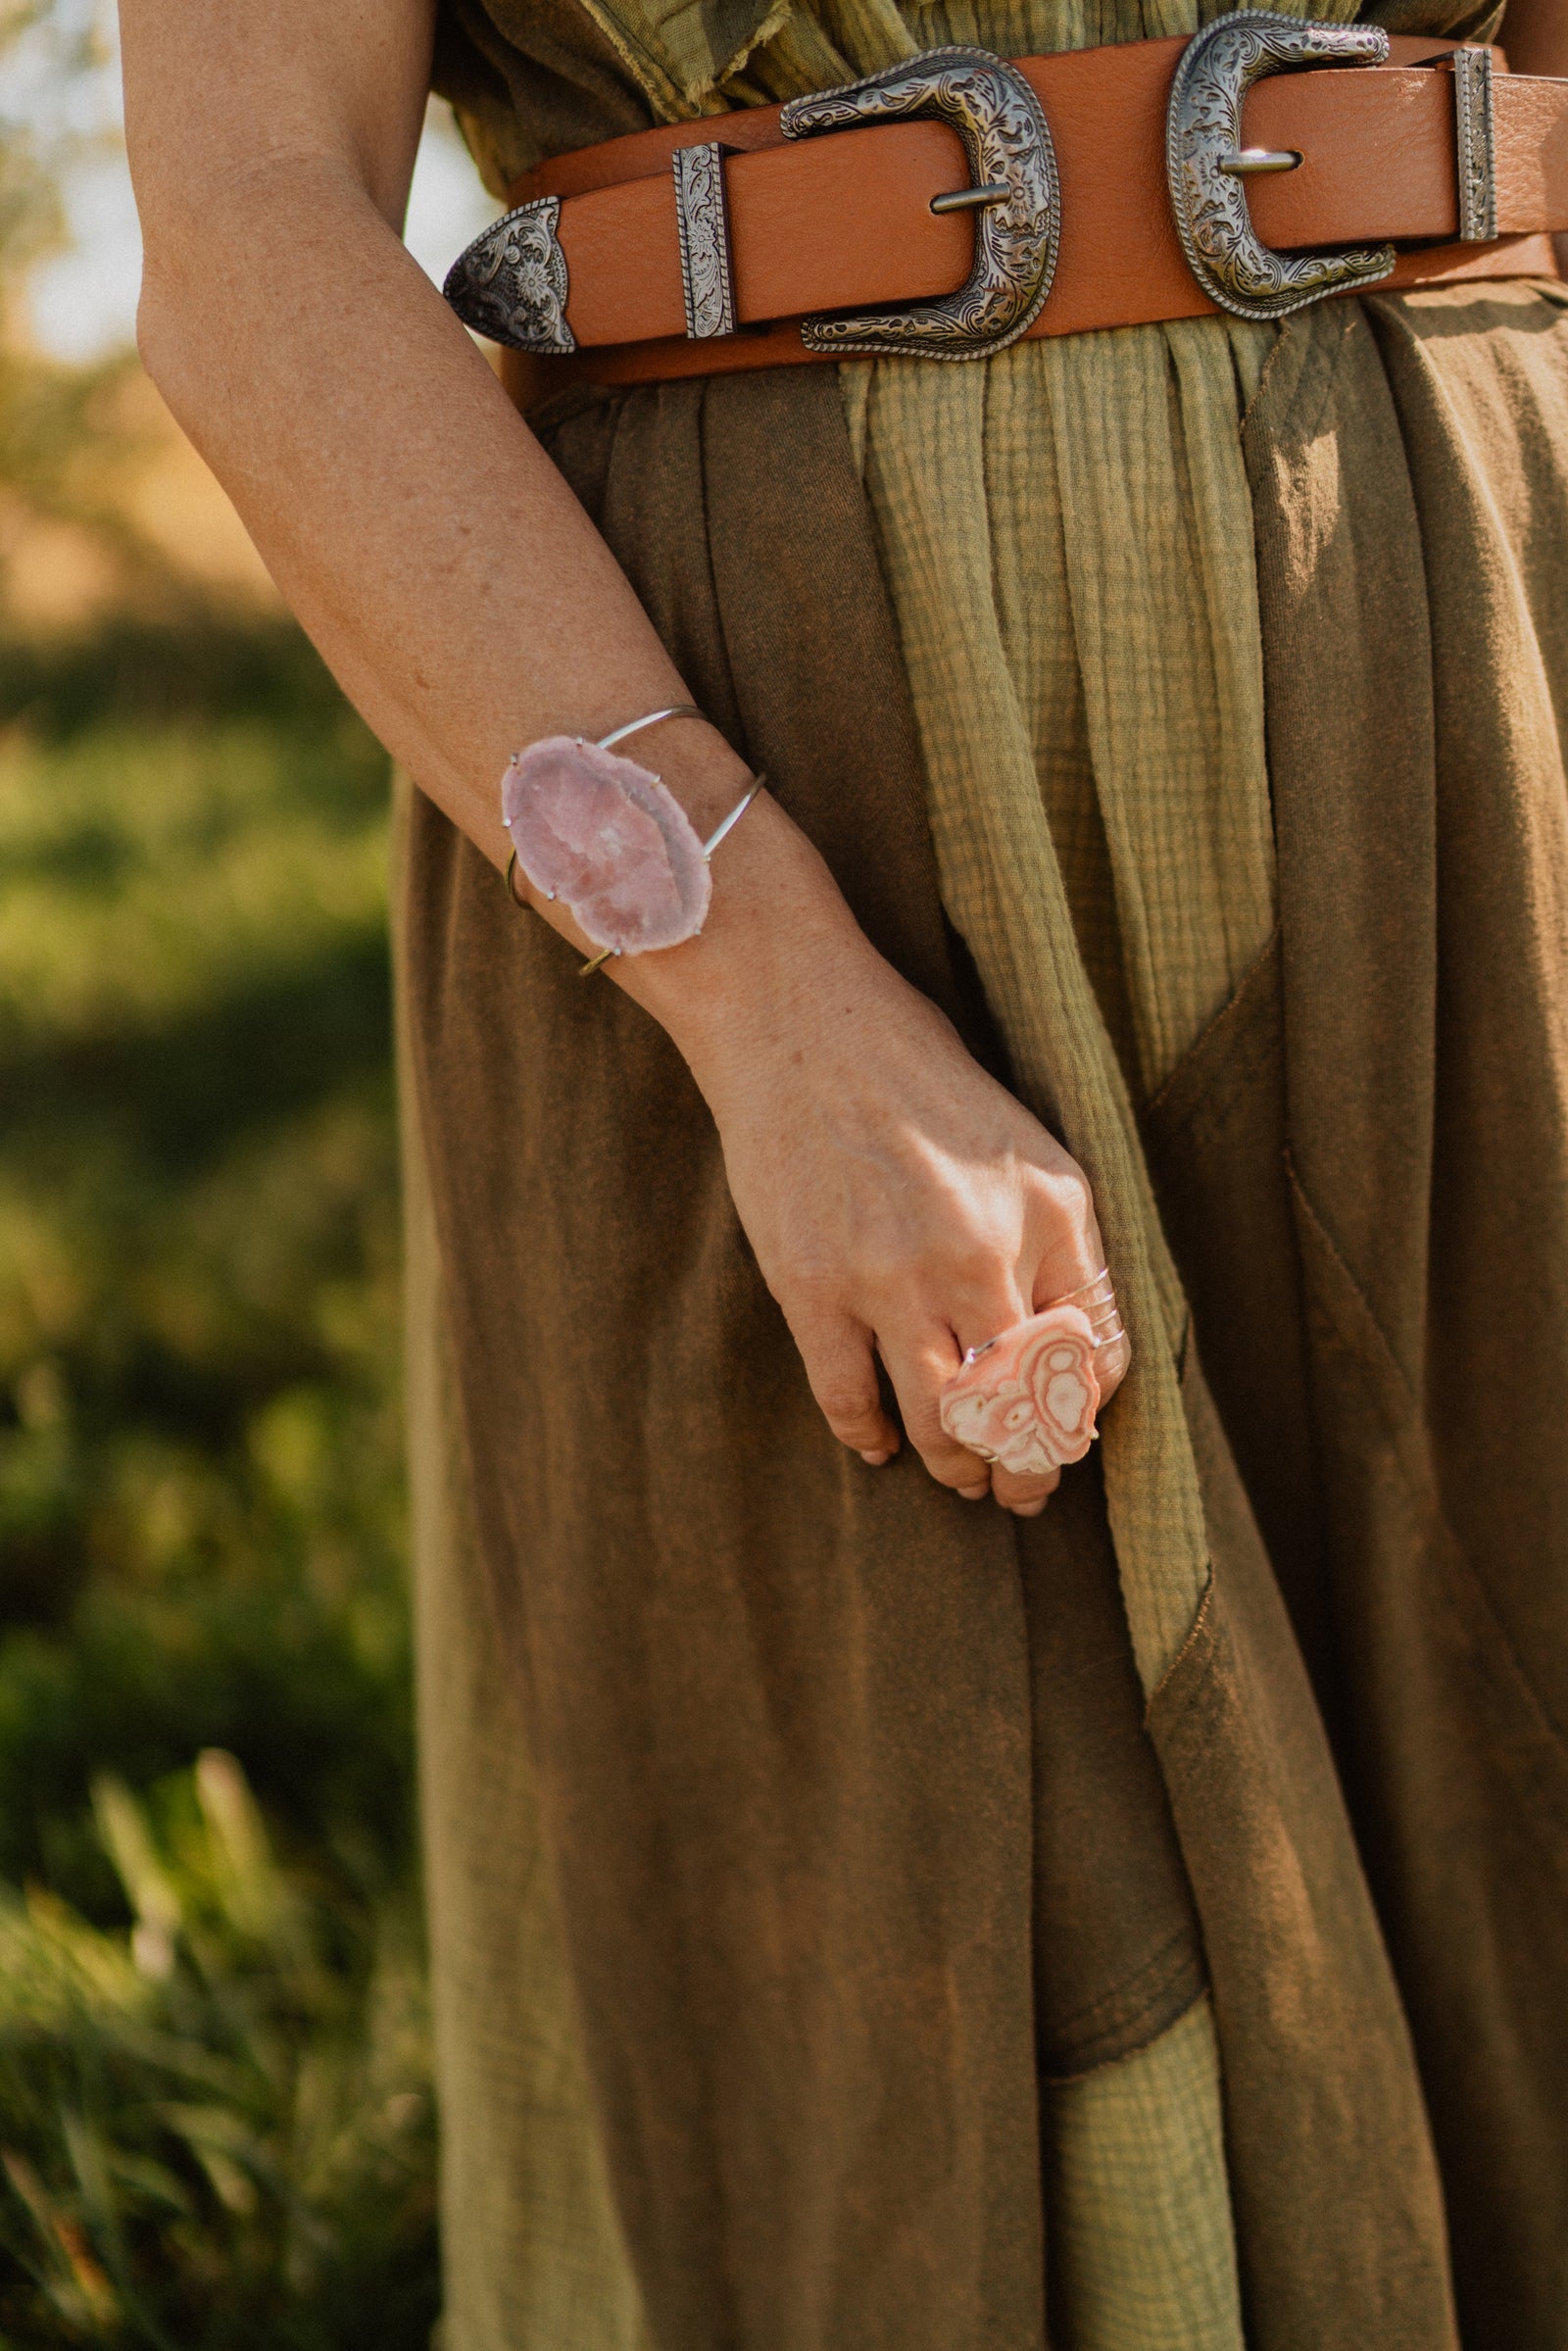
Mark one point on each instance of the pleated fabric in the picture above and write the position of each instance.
(1140, 2252)
(1066, 536)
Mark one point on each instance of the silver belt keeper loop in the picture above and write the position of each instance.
(702, 216)
(1475, 145)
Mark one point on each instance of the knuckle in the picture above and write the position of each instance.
(825, 1331)
(811, 1295)
(982, 1277)
(1066, 1187)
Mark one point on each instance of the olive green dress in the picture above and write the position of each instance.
(829, 1951)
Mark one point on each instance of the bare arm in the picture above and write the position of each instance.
(896, 1197)
(412, 522)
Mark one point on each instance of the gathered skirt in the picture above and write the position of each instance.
(826, 1908)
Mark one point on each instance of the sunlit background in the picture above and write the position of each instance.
(215, 2126)
(59, 98)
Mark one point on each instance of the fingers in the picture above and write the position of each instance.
(1063, 1235)
(1096, 1299)
(921, 1359)
(842, 1370)
(917, 1364)
(936, 1317)
(1025, 1498)
(1111, 1366)
(1068, 1268)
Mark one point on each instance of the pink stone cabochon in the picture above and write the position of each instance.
(1029, 1401)
(612, 845)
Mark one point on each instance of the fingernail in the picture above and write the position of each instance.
(975, 1493)
(876, 1459)
(1029, 1509)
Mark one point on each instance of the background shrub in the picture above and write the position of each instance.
(214, 2121)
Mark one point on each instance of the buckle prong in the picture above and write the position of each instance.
(1246, 163)
(971, 200)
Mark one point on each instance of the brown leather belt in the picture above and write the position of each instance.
(610, 255)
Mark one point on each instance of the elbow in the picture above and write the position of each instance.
(172, 193)
(176, 286)
(185, 350)
(168, 340)
(157, 337)
(187, 320)
(193, 326)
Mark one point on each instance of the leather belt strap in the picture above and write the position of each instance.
(845, 222)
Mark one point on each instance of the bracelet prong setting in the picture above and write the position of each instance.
(605, 838)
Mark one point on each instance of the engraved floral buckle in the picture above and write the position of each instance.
(1208, 166)
(1013, 192)
(511, 283)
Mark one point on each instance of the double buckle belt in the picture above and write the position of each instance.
(1103, 188)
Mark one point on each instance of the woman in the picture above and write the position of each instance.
(854, 1922)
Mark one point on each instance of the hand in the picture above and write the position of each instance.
(900, 1201)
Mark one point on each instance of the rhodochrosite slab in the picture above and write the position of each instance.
(604, 837)
(1028, 1400)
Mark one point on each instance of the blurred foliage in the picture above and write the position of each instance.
(64, 447)
(199, 1490)
(29, 206)
(217, 2134)
(215, 2130)
(215, 2127)
(56, 64)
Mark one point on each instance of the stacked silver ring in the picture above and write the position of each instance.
(1098, 1299)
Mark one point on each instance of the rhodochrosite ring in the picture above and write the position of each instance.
(1027, 1399)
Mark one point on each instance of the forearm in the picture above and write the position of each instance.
(900, 1203)
(435, 555)
(408, 517)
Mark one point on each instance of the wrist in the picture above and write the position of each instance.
(779, 955)
(777, 943)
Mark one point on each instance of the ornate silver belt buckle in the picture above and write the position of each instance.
(511, 283)
(1013, 192)
(1208, 166)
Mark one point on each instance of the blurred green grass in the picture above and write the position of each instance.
(214, 2116)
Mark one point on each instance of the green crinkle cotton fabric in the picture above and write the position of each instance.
(1067, 534)
(594, 67)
